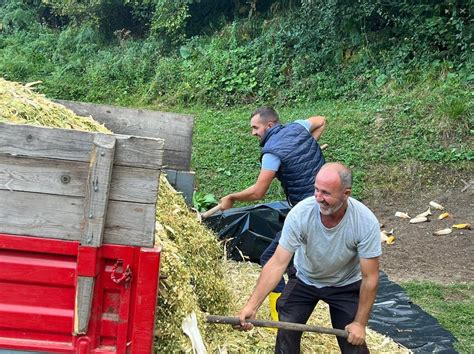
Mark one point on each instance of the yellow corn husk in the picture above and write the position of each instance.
(462, 226)
(390, 240)
(443, 232)
(443, 216)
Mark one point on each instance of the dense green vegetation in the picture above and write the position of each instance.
(229, 52)
(394, 79)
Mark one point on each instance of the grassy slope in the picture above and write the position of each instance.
(374, 137)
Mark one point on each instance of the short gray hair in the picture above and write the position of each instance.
(346, 177)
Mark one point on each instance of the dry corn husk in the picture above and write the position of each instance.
(426, 213)
(436, 205)
(418, 219)
(387, 236)
(443, 232)
(462, 226)
(197, 277)
(399, 214)
(443, 216)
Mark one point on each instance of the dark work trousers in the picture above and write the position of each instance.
(265, 257)
(298, 302)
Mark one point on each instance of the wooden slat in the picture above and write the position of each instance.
(82, 309)
(130, 224)
(61, 217)
(69, 178)
(97, 189)
(63, 144)
(176, 129)
(131, 184)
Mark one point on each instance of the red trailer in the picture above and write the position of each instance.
(78, 267)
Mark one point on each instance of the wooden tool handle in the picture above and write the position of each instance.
(211, 211)
(273, 324)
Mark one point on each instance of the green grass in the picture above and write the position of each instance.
(377, 138)
(451, 305)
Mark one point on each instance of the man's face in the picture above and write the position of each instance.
(258, 127)
(329, 193)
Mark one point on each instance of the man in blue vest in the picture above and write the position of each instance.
(291, 154)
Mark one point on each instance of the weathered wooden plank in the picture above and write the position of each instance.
(131, 184)
(61, 217)
(176, 129)
(97, 189)
(63, 144)
(82, 308)
(43, 176)
(69, 178)
(130, 224)
(33, 214)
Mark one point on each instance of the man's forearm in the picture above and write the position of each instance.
(247, 195)
(269, 278)
(368, 291)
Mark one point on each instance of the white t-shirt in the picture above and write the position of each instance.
(330, 257)
(271, 161)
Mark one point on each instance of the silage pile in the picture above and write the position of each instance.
(21, 105)
(195, 275)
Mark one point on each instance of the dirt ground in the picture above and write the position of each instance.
(419, 255)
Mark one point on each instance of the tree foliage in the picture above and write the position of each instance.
(227, 52)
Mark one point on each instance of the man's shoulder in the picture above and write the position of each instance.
(306, 204)
(362, 211)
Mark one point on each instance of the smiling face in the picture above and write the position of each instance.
(259, 126)
(330, 193)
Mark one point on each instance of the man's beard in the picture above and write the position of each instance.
(329, 210)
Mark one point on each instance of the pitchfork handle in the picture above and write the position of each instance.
(277, 324)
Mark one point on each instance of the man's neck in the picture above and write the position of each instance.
(333, 220)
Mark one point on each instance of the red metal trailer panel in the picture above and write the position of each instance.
(38, 283)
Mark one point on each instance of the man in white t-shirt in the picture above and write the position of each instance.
(335, 241)
(291, 154)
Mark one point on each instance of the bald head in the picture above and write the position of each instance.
(332, 189)
(337, 170)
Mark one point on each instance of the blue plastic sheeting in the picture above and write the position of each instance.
(248, 231)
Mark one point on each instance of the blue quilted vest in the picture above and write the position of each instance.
(300, 156)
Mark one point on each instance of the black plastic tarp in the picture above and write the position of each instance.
(248, 231)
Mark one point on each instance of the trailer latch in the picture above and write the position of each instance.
(118, 278)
